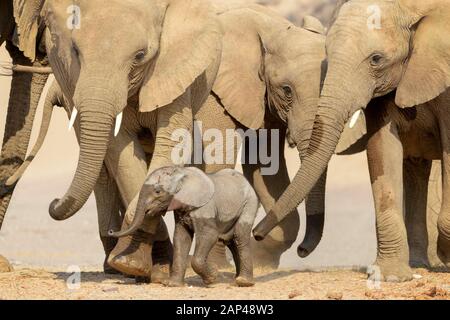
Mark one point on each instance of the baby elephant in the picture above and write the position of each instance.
(220, 206)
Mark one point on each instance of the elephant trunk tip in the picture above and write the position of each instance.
(118, 234)
(303, 252)
(265, 226)
(59, 209)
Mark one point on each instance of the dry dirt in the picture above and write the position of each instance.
(35, 283)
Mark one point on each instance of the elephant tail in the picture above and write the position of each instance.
(50, 101)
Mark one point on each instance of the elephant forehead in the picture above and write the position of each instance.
(162, 178)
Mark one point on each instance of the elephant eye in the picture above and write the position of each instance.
(287, 91)
(140, 55)
(376, 59)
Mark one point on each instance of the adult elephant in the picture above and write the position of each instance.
(269, 77)
(23, 42)
(375, 47)
(151, 73)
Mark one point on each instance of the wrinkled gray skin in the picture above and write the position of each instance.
(216, 207)
(366, 63)
(26, 90)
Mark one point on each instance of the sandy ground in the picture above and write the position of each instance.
(283, 284)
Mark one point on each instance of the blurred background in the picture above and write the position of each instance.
(30, 237)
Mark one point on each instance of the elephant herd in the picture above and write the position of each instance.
(131, 73)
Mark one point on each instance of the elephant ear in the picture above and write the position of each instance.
(6, 20)
(195, 189)
(353, 140)
(240, 81)
(27, 14)
(427, 74)
(313, 24)
(190, 42)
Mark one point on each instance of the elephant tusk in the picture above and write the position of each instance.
(354, 119)
(28, 69)
(118, 124)
(73, 117)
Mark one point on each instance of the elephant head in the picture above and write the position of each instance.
(271, 66)
(169, 189)
(104, 52)
(373, 48)
(21, 28)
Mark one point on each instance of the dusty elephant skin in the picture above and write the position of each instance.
(352, 81)
(216, 207)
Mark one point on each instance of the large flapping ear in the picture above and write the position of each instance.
(239, 84)
(27, 14)
(354, 137)
(190, 42)
(194, 189)
(58, 39)
(6, 20)
(313, 24)
(427, 73)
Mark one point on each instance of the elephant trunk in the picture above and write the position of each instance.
(97, 115)
(328, 126)
(138, 219)
(315, 200)
(26, 90)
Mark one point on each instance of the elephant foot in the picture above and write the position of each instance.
(443, 251)
(218, 256)
(5, 266)
(162, 255)
(133, 255)
(108, 245)
(244, 281)
(390, 270)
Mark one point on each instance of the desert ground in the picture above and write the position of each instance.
(43, 251)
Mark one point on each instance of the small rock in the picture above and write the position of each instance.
(5, 266)
(438, 291)
(375, 294)
(294, 294)
(417, 276)
(335, 295)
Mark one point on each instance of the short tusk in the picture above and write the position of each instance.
(354, 119)
(28, 69)
(73, 117)
(118, 124)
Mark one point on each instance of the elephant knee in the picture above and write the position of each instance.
(197, 265)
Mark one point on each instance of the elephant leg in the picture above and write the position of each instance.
(126, 162)
(204, 242)
(385, 158)
(241, 239)
(416, 173)
(433, 209)
(108, 202)
(269, 188)
(182, 241)
(26, 90)
(443, 243)
(212, 115)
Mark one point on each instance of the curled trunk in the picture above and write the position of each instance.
(96, 121)
(328, 126)
(26, 90)
(138, 219)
